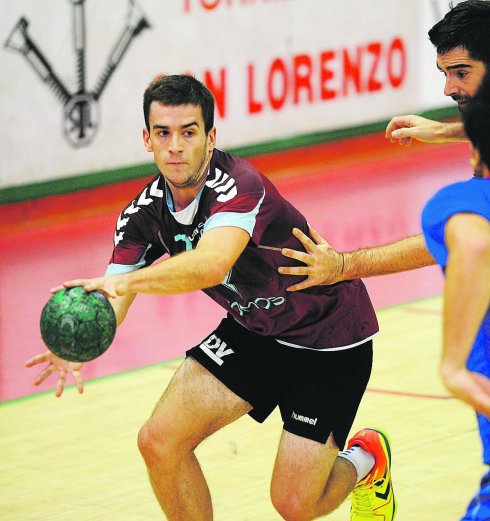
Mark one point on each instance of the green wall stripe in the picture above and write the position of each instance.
(20, 193)
(76, 183)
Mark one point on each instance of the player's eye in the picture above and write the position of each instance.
(461, 74)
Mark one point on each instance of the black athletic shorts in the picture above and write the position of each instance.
(318, 392)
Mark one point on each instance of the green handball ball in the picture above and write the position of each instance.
(76, 325)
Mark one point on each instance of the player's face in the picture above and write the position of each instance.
(463, 74)
(181, 148)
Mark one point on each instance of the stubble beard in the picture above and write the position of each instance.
(197, 177)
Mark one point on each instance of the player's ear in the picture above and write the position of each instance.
(146, 140)
(212, 139)
(475, 158)
(480, 168)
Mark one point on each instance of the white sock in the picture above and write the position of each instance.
(362, 460)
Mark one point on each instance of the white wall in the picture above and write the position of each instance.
(278, 69)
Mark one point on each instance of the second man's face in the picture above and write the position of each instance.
(463, 74)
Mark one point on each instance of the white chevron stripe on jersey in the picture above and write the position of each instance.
(132, 209)
(224, 185)
(154, 190)
(143, 200)
(226, 197)
(118, 237)
(220, 178)
(121, 222)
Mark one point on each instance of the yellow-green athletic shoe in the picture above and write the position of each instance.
(373, 498)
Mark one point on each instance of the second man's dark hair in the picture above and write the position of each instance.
(465, 25)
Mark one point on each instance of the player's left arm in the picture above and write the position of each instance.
(466, 300)
(323, 265)
(203, 267)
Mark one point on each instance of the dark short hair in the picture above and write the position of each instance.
(179, 89)
(465, 25)
(476, 119)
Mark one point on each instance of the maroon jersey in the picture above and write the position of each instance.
(253, 292)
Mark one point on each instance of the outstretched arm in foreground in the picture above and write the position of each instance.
(466, 300)
(324, 265)
(403, 129)
(203, 267)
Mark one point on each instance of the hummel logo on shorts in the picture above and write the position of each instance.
(304, 419)
(215, 348)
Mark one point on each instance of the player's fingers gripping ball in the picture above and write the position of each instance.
(78, 326)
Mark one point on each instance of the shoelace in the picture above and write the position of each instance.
(362, 501)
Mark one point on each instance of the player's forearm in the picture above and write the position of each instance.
(407, 254)
(189, 271)
(203, 267)
(452, 132)
(121, 305)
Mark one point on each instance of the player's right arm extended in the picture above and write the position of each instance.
(403, 129)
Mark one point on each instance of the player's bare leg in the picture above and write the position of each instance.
(194, 406)
(309, 479)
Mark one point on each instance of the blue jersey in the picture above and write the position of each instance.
(253, 292)
(471, 196)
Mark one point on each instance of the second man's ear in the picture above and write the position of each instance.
(475, 158)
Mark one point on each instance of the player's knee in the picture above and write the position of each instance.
(290, 506)
(157, 445)
(148, 443)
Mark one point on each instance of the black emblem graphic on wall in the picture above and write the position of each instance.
(80, 108)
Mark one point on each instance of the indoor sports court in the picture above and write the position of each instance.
(76, 457)
(304, 90)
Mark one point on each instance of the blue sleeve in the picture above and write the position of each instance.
(465, 197)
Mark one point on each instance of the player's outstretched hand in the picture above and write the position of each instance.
(323, 265)
(112, 286)
(403, 129)
(470, 387)
(57, 364)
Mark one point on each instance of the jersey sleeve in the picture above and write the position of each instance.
(237, 198)
(135, 244)
(451, 200)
